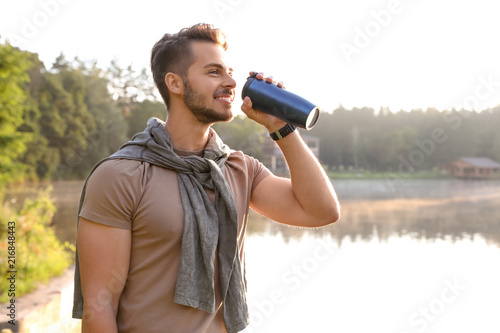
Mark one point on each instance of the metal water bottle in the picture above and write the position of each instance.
(289, 107)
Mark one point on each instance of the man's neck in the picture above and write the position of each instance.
(187, 133)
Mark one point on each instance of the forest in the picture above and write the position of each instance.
(57, 122)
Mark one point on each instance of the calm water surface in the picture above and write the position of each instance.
(406, 256)
(413, 256)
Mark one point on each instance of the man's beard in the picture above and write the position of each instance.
(197, 105)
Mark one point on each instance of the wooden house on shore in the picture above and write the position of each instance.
(474, 168)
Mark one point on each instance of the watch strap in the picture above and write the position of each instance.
(282, 132)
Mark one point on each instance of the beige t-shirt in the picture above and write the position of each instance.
(145, 199)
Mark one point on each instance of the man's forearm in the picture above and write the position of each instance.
(103, 321)
(310, 184)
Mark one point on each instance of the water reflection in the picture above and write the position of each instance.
(400, 285)
(451, 209)
(417, 257)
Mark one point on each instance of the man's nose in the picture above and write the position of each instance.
(229, 82)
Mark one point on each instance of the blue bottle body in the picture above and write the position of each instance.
(285, 105)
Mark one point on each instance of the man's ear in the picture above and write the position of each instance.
(174, 83)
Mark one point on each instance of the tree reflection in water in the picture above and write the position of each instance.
(428, 209)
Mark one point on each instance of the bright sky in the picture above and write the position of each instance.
(400, 54)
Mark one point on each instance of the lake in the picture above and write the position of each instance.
(407, 256)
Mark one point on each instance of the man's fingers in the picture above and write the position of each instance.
(247, 104)
(270, 79)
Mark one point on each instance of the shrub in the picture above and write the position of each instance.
(39, 255)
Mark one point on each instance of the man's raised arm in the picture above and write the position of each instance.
(307, 198)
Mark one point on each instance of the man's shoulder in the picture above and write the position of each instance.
(117, 170)
(240, 161)
(115, 165)
(239, 157)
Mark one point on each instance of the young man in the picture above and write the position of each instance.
(162, 221)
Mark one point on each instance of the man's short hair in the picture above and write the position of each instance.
(173, 53)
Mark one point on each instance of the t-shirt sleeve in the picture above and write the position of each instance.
(113, 192)
(260, 171)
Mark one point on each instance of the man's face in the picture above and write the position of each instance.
(209, 85)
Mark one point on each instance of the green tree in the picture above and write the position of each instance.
(65, 119)
(110, 130)
(129, 86)
(37, 157)
(144, 110)
(13, 105)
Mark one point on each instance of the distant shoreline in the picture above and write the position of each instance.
(423, 174)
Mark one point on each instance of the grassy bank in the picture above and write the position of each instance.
(29, 245)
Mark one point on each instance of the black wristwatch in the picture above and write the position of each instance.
(282, 132)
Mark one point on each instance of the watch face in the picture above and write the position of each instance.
(283, 132)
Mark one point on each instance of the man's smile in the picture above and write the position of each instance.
(225, 97)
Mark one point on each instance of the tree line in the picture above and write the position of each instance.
(405, 141)
(56, 123)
